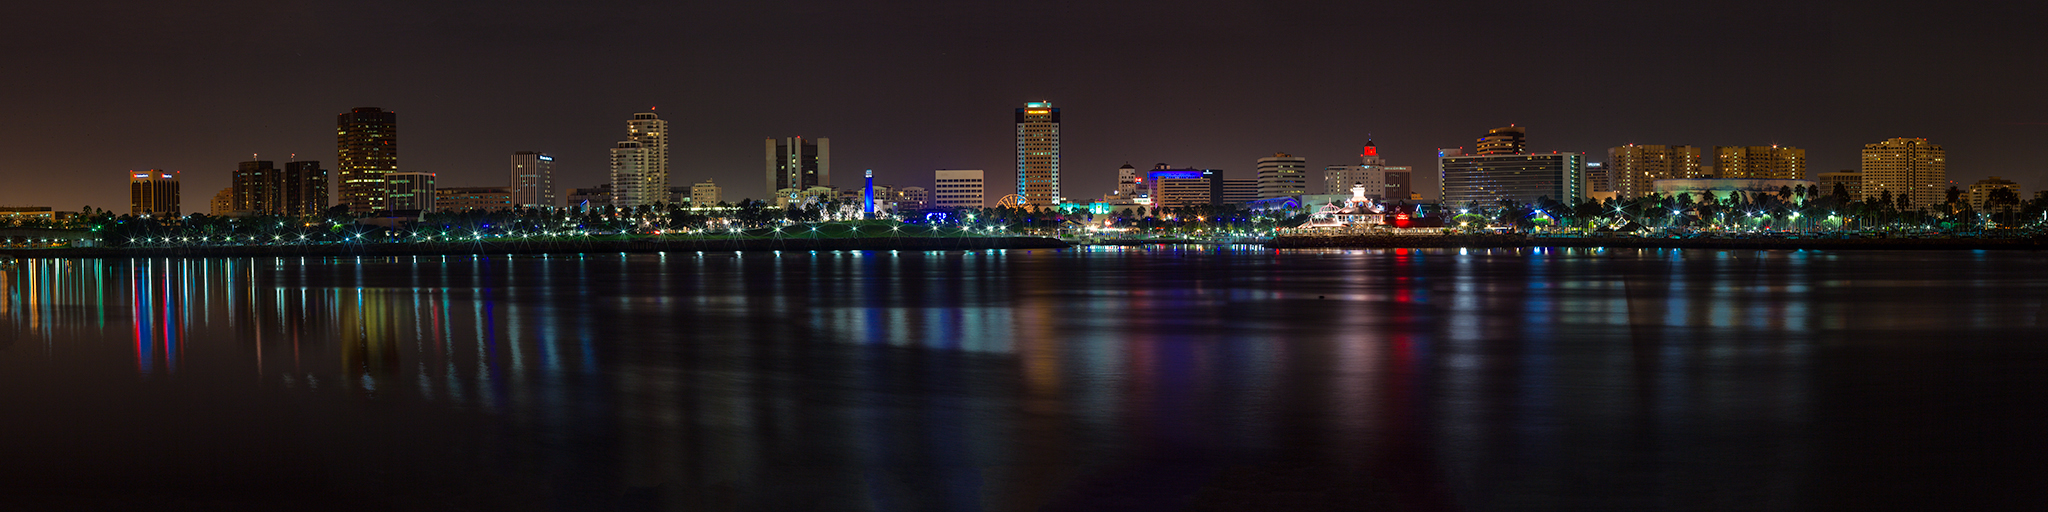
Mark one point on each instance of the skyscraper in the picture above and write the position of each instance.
(1911, 167)
(153, 192)
(1759, 162)
(305, 188)
(1633, 169)
(1282, 175)
(640, 163)
(1038, 155)
(533, 179)
(366, 140)
(258, 188)
(797, 163)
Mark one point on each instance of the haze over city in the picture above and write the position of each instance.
(907, 87)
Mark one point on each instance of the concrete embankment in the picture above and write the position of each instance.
(561, 247)
(1410, 241)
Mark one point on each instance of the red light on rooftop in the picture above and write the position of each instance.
(1370, 151)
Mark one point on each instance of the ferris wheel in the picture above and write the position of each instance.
(1010, 201)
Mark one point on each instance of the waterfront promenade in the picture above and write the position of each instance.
(1300, 241)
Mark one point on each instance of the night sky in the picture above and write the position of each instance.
(94, 89)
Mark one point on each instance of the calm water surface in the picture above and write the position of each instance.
(1087, 379)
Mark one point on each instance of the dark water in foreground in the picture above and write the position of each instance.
(1110, 379)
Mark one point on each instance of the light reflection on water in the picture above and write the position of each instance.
(1552, 378)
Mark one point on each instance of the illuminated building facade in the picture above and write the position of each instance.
(1038, 155)
(409, 191)
(959, 189)
(1282, 175)
(1980, 192)
(640, 163)
(1759, 162)
(1851, 181)
(1127, 181)
(1512, 140)
(1633, 170)
(223, 202)
(533, 179)
(1484, 180)
(366, 140)
(456, 199)
(1910, 167)
(258, 188)
(798, 163)
(705, 194)
(153, 193)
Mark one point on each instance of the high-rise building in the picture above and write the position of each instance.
(1038, 155)
(1633, 169)
(1911, 167)
(1759, 162)
(1851, 181)
(153, 193)
(958, 189)
(1597, 179)
(1484, 180)
(1282, 175)
(1241, 191)
(1373, 172)
(1400, 183)
(258, 188)
(409, 191)
(705, 194)
(798, 163)
(1511, 140)
(533, 179)
(640, 163)
(366, 140)
(1980, 192)
(305, 188)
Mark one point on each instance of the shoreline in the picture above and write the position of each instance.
(1480, 241)
(557, 247)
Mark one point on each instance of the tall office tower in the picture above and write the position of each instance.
(533, 179)
(258, 188)
(409, 191)
(1851, 181)
(153, 192)
(1484, 180)
(1283, 175)
(1596, 178)
(640, 163)
(706, 194)
(796, 163)
(958, 189)
(1400, 183)
(1759, 162)
(1633, 168)
(1511, 140)
(630, 182)
(366, 139)
(1127, 181)
(305, 188)
(1912, 167)
(1038, 155)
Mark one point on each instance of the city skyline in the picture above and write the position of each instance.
(920, 100)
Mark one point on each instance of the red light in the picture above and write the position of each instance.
(1371, 151)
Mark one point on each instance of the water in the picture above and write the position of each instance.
(1145, 378)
